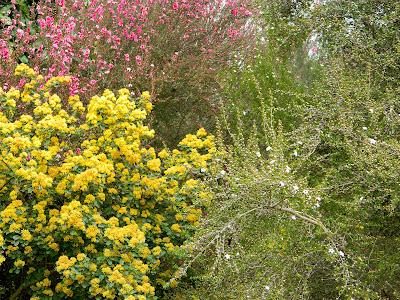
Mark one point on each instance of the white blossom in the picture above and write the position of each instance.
(293, 217)
(227, 256)
(269, 148)
(258, 154)
(372, 141)
(282, 183)
(331, 250)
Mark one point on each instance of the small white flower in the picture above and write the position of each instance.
(227, 256)
(372, 141)
(129, 69)
(202, 170)
(269, 148)
(130, 85)
(295, 188)
(305, 192)
(317, 205)
(222, 172)
(287, 169)
(371, 110)
(258, 154)
(293, 217)
(245, 112)
(295, 153)
(365, 128)
(341, 253)
(319, 198)
(267, 288)
(282, 184)
(152, 65)
(331, 251)
(272, 162)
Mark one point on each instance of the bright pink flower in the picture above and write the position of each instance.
(175, 6)
(4, 53)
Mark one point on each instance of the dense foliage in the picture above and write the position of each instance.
(299, 199)
(339, 141)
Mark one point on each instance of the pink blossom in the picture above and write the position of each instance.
(175, 6)
(4, 53)
(20, 33)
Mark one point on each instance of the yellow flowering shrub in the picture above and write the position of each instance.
(87, 208)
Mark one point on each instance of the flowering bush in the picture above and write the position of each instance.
(85, 209)
(175, 48)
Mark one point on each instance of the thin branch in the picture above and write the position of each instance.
(306, 218)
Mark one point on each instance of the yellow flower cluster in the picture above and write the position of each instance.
(84, 206)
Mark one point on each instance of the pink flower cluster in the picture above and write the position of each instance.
(129, 42)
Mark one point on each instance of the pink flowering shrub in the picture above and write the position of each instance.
(174, 48)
